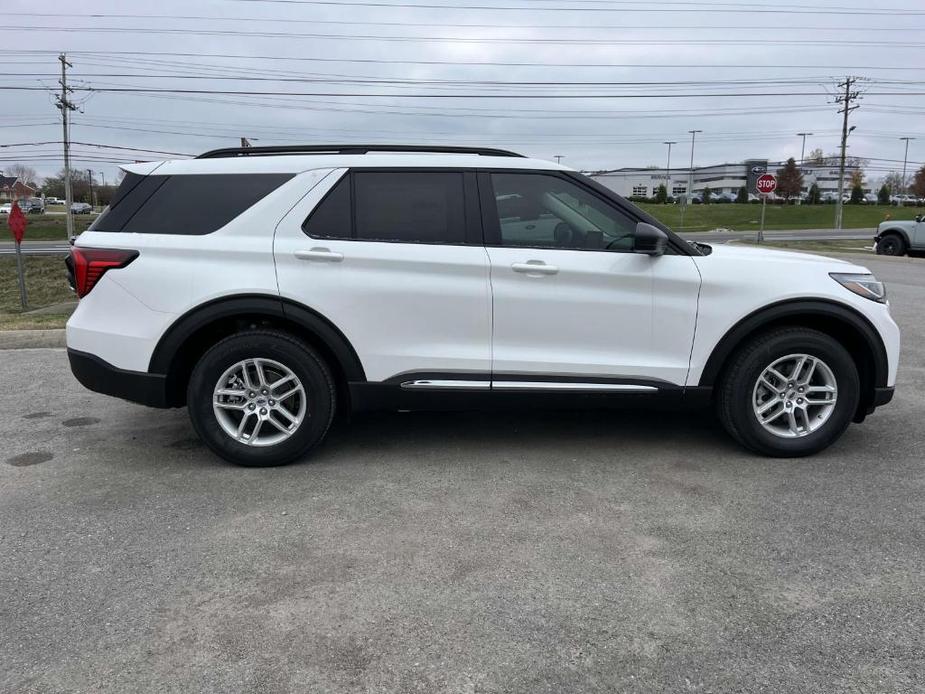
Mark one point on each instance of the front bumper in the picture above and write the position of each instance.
(101, 376)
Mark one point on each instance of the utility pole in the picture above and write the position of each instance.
(905, 159)
(90, 178)
(668, 168)
(65, 106)
(803, 149)
(846, 100)
(558, 158)
(690, 176)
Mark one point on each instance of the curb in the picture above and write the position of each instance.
(25, 339)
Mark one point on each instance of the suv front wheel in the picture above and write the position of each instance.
(261, 398)
(791, 392)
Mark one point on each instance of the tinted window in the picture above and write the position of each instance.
(331, 218)
(551, 212)
(422, 207)
(186, 204)
(131, 195)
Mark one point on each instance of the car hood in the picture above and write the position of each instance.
(766, 256)
(907, 224)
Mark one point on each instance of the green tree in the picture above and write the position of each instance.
(705, 195)
(661, 195)
(814, 196)
(883, 196)
(742, 195)
(857, 195)
(789, 180)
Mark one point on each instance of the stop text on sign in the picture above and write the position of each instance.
(766, 184)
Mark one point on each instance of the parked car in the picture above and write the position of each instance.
(6, 208)
(53, 201)
(901, 237)
(316, 280)
(81, 208)
(34, 206)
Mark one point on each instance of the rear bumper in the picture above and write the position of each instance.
(102, 377)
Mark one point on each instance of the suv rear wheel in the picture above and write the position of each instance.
(788, 393)
(261, 398)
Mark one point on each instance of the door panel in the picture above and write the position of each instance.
(579, 311)
(602, 314)
(405, 307)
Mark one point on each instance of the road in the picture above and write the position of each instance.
(512, 552)
(61, 247)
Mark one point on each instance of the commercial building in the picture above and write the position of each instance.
(719, 178)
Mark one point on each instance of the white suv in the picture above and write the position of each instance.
(268, 288)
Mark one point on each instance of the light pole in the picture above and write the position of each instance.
(803, 148)
(90, 178)
(558, 158)
(690, 175)
(905, 159)
(668, 168)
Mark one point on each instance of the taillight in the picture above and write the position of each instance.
(87, 265)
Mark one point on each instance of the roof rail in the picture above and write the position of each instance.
(350, 149)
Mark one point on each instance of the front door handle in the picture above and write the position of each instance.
(321, 254)
(535, 267)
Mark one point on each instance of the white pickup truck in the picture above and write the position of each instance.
(901, 237)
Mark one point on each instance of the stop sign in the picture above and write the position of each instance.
(17, 222)
(766, 184)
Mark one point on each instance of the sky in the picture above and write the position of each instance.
(600, 83)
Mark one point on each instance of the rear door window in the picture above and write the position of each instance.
(396, 206)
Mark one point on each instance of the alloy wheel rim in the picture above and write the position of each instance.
(259, 402)
(794, 396)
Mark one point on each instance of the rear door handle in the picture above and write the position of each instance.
(535, 267)
(320, 254)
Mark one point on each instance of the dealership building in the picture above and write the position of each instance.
(719, 178)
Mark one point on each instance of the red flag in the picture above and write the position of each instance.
(17, 222)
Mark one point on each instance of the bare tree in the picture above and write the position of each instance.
(918, 183)
(25, 174)
(894, 181)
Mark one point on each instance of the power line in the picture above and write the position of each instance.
(392, 61)
(454, 25)
(469, 40)
(669, 9)
(651, 95)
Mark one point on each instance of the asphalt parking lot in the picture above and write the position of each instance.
(523, 552)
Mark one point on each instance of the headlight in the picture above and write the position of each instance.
(863, 285)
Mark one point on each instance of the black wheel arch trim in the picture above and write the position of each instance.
(901, 233)
(797, 308)
(273, 306)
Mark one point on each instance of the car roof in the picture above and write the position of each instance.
(297, 163)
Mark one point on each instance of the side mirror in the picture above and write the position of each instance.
(649, 240)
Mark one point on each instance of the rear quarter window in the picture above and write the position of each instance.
(190, 204)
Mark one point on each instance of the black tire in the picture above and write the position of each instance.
(736, 388)
(281, 347)
(891, 244)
